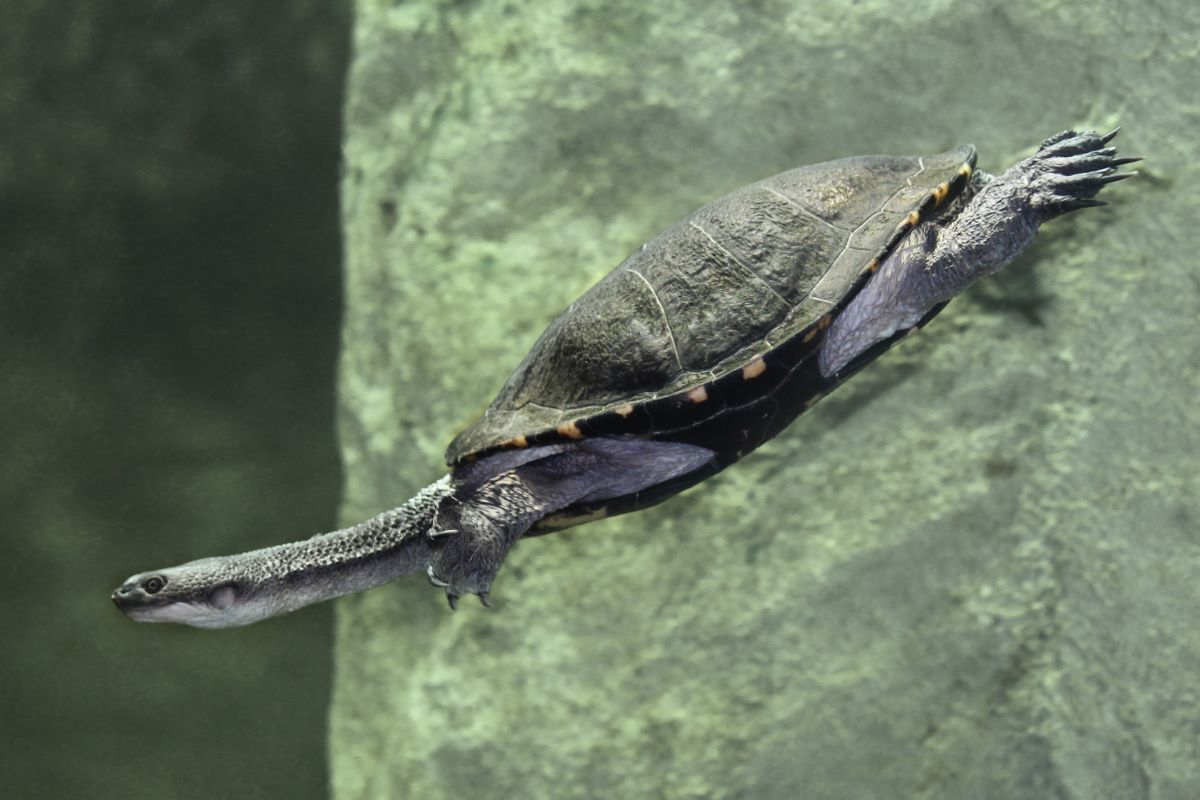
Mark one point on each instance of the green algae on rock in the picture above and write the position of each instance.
(945, 582)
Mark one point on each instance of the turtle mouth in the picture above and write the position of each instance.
(146, 608)
(133, 601)
(139, 613)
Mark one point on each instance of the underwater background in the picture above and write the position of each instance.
(170, 295)
(974, 571)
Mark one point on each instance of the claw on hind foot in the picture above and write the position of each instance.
(452, 597)
(434, 579)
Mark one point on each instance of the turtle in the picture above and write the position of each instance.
(698, 348)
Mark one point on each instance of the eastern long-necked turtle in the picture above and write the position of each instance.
(698, 348)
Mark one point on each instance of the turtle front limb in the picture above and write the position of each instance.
(476, 533)
(994, 221)
(497, 499)
(1065, 174)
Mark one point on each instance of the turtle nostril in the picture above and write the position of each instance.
(125, 595)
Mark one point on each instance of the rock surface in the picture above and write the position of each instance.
(970, 573)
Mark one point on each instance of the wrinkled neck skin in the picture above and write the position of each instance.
(229, 591)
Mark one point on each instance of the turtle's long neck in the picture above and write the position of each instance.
(352, 559)
(236, 590)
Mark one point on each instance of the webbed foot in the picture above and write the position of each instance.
(498, 498)
(453, 591)
(468, 560)
(1069, 170)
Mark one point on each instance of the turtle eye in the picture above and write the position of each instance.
(154, 585)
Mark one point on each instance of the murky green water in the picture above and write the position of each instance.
(169, 302)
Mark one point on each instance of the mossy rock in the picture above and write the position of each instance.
(972, 572)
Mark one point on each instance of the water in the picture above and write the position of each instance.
(969, 573)
(169, 303)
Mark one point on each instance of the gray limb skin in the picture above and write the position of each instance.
(989, 225)
(494, 504)
(460, 526)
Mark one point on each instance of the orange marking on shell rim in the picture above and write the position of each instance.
(912, 219)
(516, 441)
(698, 395)
(874, 265)
(567, 519)
(939, 194)
(821, 325)
(570, 430)
(966, 171)
(754, 369)
(625, 410)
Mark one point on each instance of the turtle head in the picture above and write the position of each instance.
(206, 594)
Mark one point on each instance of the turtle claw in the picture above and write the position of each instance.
(455, 589)
(452, 598)
(1069, 143)
(469, 554)
(1084, 182)
(434, 580)
(1070, 169)
(1061, 136)
(1074, 143)
(1078, 204)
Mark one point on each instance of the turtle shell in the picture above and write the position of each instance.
(704, 333)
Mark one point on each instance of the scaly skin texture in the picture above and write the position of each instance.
(973, 239)
(229, 591)
(460, 529)
(488, 518)
(457, 530)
